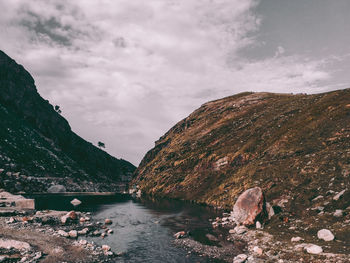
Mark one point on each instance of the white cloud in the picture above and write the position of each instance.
(125, 71)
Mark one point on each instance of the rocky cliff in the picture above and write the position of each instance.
(295, 147)
(39, 149)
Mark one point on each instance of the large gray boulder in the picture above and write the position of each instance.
(57, 188)
(249, 205)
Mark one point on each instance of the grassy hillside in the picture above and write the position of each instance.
(295, 147)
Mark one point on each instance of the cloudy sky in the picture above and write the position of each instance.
(125, 71)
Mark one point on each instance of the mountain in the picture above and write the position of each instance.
(38, 148)
(295, 147)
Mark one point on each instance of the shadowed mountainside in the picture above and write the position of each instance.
(294, 147)
(38, 147)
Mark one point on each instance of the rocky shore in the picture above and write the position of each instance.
(277, 237)
(27, 235)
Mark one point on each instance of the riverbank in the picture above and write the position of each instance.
(28, 235)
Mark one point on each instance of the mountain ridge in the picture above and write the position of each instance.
(26, 114)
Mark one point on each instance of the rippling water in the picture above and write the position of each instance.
(143, 230)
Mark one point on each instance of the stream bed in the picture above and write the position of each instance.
(143, 228)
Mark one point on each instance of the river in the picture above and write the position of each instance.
(143, 229)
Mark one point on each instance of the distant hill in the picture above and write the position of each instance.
(39, 149)
(295, 147)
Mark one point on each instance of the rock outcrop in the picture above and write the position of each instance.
(38, 149)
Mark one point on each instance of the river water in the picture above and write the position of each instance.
(143, 229)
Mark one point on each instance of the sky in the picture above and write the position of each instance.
(125, 71)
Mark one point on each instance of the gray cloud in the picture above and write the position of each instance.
(124, 71)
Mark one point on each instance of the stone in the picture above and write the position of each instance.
(269, 210)
(258, 250)
(313, 249)
(240, 258)
(106, 248)
(232, 231)
(83, 231)
(317, 198)
(258, 225)
(239, 230)
(296, 239)
(75, 202)
(11, 243)
(249, 206)
(82, 242)
(325, 234)
(338, 195)
(73, 234)
(180, 234)
(63, 233)
(338, 213)
(110, 231)
(108, 221)
(57, 188)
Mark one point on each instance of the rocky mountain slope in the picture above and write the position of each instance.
(295, 147)
(38, 148)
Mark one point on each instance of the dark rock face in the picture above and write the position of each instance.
(38, 148)
(249, 206)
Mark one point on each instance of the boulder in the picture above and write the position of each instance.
(249, 205)
(57, 188)
(325, 234)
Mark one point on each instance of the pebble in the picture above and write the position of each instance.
(338, 213)
(325, 234)
(240, 258)
(63, 233)
(257, 250)
(240, 230)
(258, 225)
(296, 239)
(106, 248)
(338, 195)
(108, 221)
(313, 249)
(73, 233)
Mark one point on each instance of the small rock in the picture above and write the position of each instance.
(106, 248)
(240, 230)
(313, 249)
(180, 234)
(83, 231)
(110, 231)
(82, 220)
(325, 234)
(338, 213)
(270, 211)
(11, 243)
(103, 235)
(240, 258)
(75, 202)
(317, 198)
(337, 196)
(258, 225)
(257, 250)
(37, 255)
(82, 242)
(108, 221)
(63, 233)
(73, 234)
(232, 231)
(296, 239)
